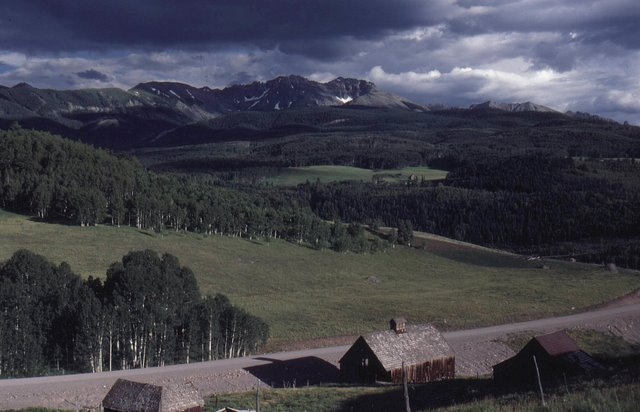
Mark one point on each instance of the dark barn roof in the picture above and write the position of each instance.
(130, 396)
(557, 343)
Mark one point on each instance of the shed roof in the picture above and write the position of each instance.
(417, 345)
(557, 343)
(179, 397)
(126, 395)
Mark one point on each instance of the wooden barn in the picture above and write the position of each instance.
(379, 356)
(130, 396)
(556, 354)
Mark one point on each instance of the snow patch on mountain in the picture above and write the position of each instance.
(344, 100)
(256, 98)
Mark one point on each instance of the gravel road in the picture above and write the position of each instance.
(476, 351)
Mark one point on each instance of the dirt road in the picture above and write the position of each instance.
(476, 351)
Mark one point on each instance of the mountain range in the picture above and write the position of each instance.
(194, 104)
(512, 107)
(149, 112)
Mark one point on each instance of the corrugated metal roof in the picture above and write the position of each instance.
(417, 345)
(557, 343)
(126, 395)
(582, 360)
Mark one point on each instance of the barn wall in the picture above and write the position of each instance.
(520, 368)
(195, 409)
(433, 370)
(353, 370)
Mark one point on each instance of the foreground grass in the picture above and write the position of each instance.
(38, 410)
(306, 294)
(589, 396)
(296, 175)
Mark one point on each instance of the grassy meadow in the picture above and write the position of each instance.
(597, 395)
(306, 294)
(293, 176)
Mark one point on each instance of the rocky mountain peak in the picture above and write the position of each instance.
(512, 107)
(22, 85)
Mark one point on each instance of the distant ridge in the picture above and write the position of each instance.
(22, 85)
(281, 93)
(194, 104)
(381, 99)
(513, 107)
(172, 113)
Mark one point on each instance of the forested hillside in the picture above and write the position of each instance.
(539, 183)
(53, 178)
(531, 204)
(148, 311)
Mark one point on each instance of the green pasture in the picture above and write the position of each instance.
(459, 396)
(307, 294)
(293, 176)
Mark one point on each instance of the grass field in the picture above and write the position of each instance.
(296, 175)
(306, 294)
(590, 396)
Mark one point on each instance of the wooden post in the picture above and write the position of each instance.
(258, 396)
(406, 389)
(535, 362)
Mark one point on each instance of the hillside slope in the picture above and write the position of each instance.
(450, 285)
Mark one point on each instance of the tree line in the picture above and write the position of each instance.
(57, 179)
(526, 202)
(148, 311)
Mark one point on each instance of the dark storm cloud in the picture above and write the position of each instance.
(612, 21)
(64, 25)
(559, 57)
(624, 32)
(583, 29)
(93, 74)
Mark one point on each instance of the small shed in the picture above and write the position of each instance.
(379, 356)
(556, 354)
(130, 396)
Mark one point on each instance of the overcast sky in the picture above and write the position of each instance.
(579, 55)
